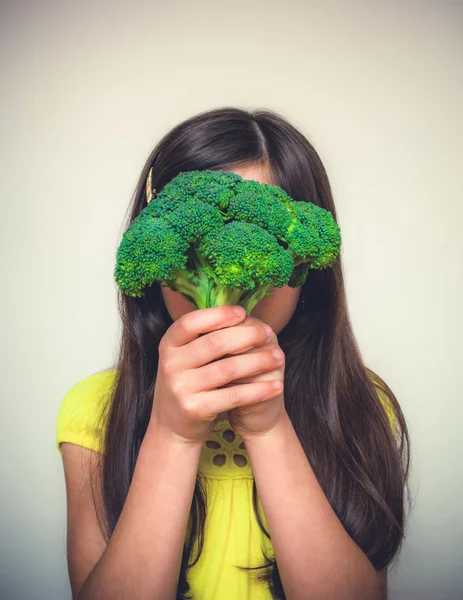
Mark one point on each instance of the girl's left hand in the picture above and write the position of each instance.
(257, 419)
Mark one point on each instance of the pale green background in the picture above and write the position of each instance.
(88, 88)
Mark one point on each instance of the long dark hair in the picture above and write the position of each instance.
(334, 401)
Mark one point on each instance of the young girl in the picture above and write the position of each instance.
(188, 475)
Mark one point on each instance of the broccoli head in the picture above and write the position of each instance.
(217, 238)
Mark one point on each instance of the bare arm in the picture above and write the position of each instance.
(143, 556)
(315, 555)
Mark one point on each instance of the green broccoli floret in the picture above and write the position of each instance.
(313, 236)
(271, 215)
(217, 238)
(212, 187)
(195, 219)
(150, 251)
(244, 261)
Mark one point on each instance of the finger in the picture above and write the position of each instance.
(191, 325)
(220, 373)
(217, 401)
(218, 344)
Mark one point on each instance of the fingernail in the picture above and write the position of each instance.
(269, 330)
(278, 353)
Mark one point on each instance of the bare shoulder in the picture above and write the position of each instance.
(85, 541)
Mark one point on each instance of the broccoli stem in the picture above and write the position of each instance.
(221, 295)
(298, 260)
(251, 298)
(200, 287)
(189, 285)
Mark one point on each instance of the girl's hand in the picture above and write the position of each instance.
(191, 384)
(256, 419)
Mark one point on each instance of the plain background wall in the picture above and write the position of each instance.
(88, 88)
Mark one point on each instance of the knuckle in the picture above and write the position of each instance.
(189, 409)
(178, 387)
(226, 368)
(234, 396)
(205, 406)
(269, 359)
(274, 359)
(214, 343)
(259, 333)
(168, 366)
(185, 323)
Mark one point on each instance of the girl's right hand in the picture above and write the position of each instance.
(188, 395)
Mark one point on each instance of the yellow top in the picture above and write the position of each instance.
(232, 534)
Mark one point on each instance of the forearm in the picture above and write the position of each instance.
(143, 556)
(315, 555)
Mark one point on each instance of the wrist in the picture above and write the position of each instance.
(158, 431)
(280, 428)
